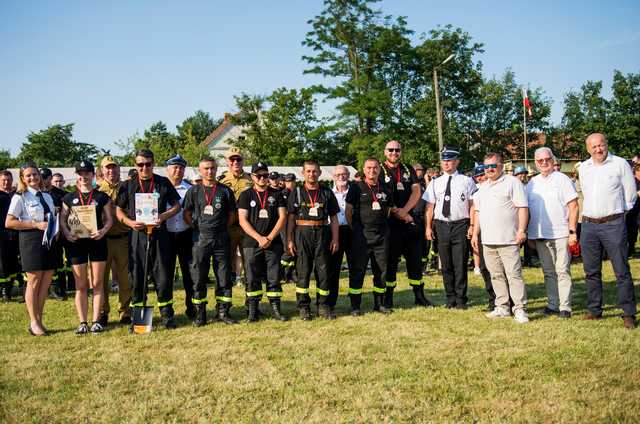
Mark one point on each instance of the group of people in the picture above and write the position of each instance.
(276, 229)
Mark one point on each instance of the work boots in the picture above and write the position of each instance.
(420, 299)
(200, 315)
(378, 304)
(166, 318)
(253, 311)
(223, 313)
(305, 313)
(388, 298)
(356, 300)
(325, 312)
(275, 310)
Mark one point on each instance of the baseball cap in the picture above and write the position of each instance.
(274, 175)
(234, 151)
(290, 177)
(107, 160)
(84, 166)
(176, 160)
(259, 166)
(45, 173)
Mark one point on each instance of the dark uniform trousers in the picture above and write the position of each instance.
(159, 268)
(404, 239)
(454, 256)
(612, 236)
(62, 279)
(259, 262)
(486, 276)
(345, 236)
(206, 251)
(181, 246)
(368, 244)
(287, 262)
(312, 243)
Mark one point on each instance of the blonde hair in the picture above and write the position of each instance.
(22, 186)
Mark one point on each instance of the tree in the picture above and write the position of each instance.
(624, 132)
(55, 147)
(195, 128)
(6, 161)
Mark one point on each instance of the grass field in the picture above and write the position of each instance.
(416, 365)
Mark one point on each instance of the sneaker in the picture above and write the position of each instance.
(476, 271)
(96, 328)
(498, 312)
(115, 287)
(521, 316)
(565, 314)
(82, 328)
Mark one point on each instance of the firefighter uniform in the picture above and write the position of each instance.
(210, 208)
(62, 277)
(370, 211)
(8, 250)
(312, 236)
(159, 256)
(262, 263)
(404, 238)
(288, 261)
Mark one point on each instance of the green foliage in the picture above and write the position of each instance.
(624, 134)
(55, 147)
(6, 161)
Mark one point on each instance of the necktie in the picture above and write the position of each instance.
(446, 205)
(44, 204)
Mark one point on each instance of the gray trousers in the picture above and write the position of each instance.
(503, 263)
(556, 267)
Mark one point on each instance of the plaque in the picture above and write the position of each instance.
(82, 221)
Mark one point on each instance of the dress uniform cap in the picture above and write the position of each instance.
(290, 177)
(520, 170)
(84, 166)
(449, 153)
(176, 160)
(259, 166)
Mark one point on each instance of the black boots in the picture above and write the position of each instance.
(421, 300)
(199, 314)
(166, 318)
(253, 310)
(305, 313)
(325, 312)
(275, 310)
(6, 291)
(379, 305)
(388, 298)
(223, 313)
(356, 300)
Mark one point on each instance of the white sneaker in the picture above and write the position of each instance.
(498, 312)
(476, 271)
(521, 316)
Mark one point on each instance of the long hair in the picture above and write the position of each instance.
(22, 186)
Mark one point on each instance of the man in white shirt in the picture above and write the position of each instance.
(448, 205)
(609, 192)
(553, 217)
(502, 214)
(180, 234)
(340, 189)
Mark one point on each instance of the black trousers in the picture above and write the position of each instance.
(335, 263)
(486, 275)
(312, 244)
(181, 246)
(206, 251)
(454, 256)
(404, 240)
(611, 237)
(160, 269)
(368, 244)
(287, 262)
(259, 262)
(631, 221)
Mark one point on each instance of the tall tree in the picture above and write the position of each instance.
(6, 161)
(195, 128)
(624, 133)
(56, 147)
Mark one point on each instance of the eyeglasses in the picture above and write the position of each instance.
(392, 150)
(144, 164)
(261, 176)
(235, 159)
(342, 174)
(491, 166)
(543, 160)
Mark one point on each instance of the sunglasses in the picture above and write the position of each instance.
(491, 166)
(394, 150)
(144, 164)
(543, 160)
(261, 176)
(235, 159)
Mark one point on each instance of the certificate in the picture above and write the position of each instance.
(147, 207)
(82, 221)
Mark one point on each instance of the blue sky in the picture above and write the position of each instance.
(116, 67)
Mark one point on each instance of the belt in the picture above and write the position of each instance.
(603, 219)
(309, 223)
(459, 221)
(118, 236)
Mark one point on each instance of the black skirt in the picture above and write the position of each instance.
(35, 256)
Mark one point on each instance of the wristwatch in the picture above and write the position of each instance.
(572, 231)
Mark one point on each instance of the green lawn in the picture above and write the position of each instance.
(417, 365)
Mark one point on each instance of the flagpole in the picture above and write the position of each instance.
(524, 126)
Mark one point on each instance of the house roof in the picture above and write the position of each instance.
(222, 128)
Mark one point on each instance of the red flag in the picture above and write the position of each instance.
(525, 102)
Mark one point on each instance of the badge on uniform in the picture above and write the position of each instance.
(387, 179)
(447, 198)
(462, 197)
(75, 201)
(263, 214)
(252, 203)
(208, 210)
(375, 206)
(313, 211)
(400, 186)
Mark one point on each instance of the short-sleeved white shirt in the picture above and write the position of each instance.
(27, 207)
(462, 189)
(548, 211)
(497, 203)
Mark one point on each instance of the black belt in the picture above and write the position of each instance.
(460, 221)
(603, 219)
